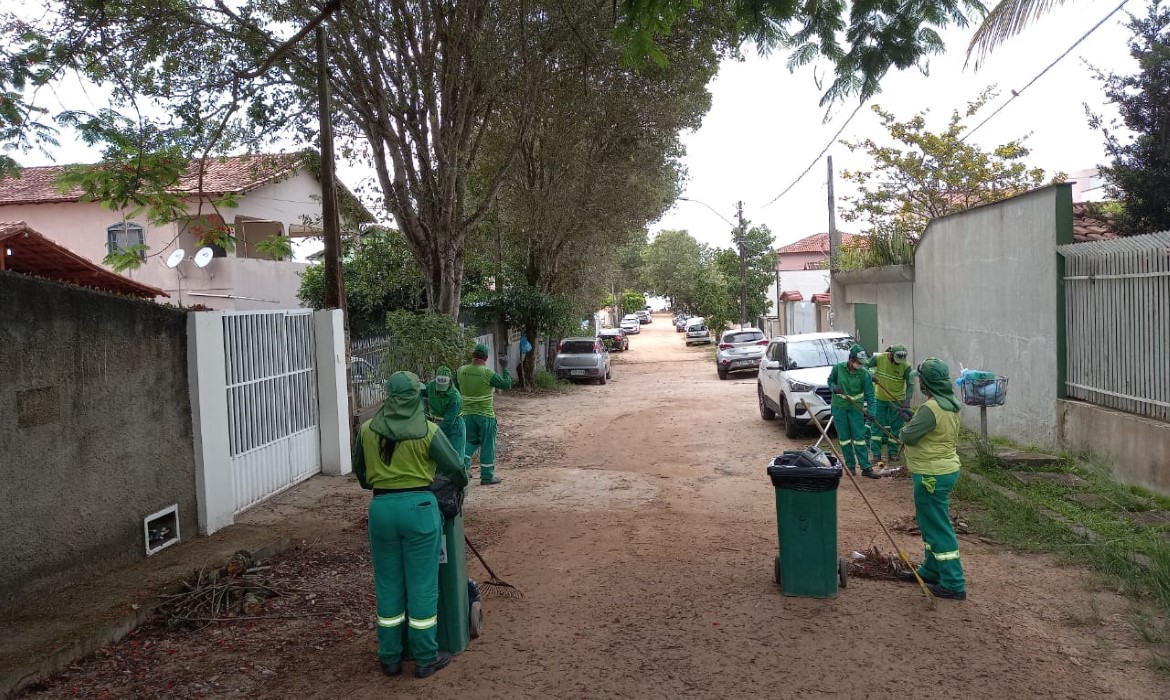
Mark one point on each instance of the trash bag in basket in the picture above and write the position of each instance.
(807, 470)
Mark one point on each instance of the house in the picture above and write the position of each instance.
(809, 253)
(275, 195)
(29, 252)
(802, 269)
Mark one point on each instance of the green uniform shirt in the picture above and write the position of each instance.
(414, 462)
(931, 440)
(444, 406)
(856, 384)
(892, 378)
(477, 384)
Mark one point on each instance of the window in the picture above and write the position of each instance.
(578, 347)
(743, 337)
(125, 235)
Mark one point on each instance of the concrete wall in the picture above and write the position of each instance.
(1138, 448)
(807, 282)
(986, 296)
(891, 289)
(95, 430)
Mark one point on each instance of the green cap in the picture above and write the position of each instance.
(857, 352)
(443, 379)
(480, 351)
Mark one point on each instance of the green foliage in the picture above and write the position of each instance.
(127, 258)
(423, 341)
(380, 276)
(759, 271)
(524, 307)
(1139, 170)
(862, 39)
(877, 250)
(927, 175)
(548, 381)
(276, 246)
(671, 265)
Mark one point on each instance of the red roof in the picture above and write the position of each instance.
(29, 252)
(821, 298)
(1091, 224)
(791, 295)
(816, 243)
(221, 175)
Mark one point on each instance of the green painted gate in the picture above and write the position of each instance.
(865, 321)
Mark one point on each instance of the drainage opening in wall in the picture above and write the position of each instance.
(161, 529)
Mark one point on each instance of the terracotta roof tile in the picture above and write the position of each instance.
(1090, 224)
(823, 298)
(816, 243)
(35, 255)
(222, 175)
(791, 295)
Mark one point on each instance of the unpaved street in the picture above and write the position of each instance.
(638, 521)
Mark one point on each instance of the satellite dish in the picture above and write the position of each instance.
(203, 256)
(175, 258)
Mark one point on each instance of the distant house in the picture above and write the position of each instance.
(277, 194)
(809, 253)
(802, 270)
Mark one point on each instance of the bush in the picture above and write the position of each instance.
(548, 381)
(421, 341)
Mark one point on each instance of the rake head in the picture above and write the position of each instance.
(494, 588)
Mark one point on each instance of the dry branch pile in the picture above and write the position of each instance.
(238, 590)
(876, 565)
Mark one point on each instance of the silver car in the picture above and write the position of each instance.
(696, 332)
(582, 359)
(740, 351)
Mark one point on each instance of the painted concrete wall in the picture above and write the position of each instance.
(1138, 448)
(799, 261)
(893, 293)
(807, 282)
(985, 296)
(95, 430)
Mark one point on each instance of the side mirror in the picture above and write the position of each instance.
(772, 364)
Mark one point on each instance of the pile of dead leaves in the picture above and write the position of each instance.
(875, 565)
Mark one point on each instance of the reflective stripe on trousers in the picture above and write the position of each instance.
(946, 556)
(391, 621)
(424, 624)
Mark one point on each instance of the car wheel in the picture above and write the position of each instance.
(765, 412)
(722, 373)
(604, 378)
(791, 430)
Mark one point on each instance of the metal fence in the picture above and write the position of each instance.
(1117, 321)
(370, 365)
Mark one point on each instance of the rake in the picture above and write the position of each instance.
(494, 586)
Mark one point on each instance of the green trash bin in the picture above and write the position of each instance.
(454, 633)
(806, 522)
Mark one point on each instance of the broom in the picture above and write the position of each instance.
(494, 586)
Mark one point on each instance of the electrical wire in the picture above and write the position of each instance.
(817, 159)
(1017, 93)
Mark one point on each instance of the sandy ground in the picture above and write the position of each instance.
(638, 521)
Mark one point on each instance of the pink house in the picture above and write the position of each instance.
(275, 195)
(809, 253)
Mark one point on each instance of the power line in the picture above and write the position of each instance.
(817, 159)
(1017, 93)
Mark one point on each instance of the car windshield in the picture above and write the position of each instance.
(743, 337)
(577, 347)
(818, 353)
(697, 328)
(838, 349)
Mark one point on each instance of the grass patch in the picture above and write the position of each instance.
(1134, 555)
(1159, 664)
(548, 381)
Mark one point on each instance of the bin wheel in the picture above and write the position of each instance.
(475, 620)
(842, 573)
(776, 572)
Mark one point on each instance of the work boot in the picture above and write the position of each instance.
(428, 670)
(392, 668)
(940, 592)
(490, 482)
(908, 577)
(869, 474)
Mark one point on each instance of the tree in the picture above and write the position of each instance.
(1005, 21)
(930, 175)
(759, 271)
(671, 268)
(1139, 172)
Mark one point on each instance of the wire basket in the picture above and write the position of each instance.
(985, 392)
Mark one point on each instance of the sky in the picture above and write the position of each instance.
(766, 126)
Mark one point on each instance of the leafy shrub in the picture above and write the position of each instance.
(421, 341)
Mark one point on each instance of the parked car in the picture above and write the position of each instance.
(696, 332)
(644, 316)
(680, 322)
(618, 342)
(796, 368)
(582, 359)
(631, 324)
(740, 351)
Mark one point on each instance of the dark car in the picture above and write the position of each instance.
(614, 339)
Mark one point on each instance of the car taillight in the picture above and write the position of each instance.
(724, 346)
(560, 346)
(597, 347)
(761, 342)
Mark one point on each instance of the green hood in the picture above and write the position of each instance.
(401, 416)
(857, 352)
(935, 377)
(894, 350)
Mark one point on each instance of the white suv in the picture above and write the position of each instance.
(796, 368)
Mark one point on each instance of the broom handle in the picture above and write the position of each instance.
(872, 422)
(479, 557)
(838, 455)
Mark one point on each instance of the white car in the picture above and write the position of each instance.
(740, 351)
(630, 324)
(696, 331)
(796, 368)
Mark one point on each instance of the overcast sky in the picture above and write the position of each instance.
(765, 125)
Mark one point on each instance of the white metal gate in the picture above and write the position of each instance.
(273, 428)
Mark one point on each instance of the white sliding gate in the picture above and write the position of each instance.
(274, 434)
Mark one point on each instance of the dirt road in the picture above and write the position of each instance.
(638, 521)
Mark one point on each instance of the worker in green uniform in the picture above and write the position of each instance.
(478, 383)
(852, 390)
(892, 389)
(445, 405)
(931, 440)
(397, 454)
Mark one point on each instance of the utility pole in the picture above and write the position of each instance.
(834, 235)
(742, 268)
(778, 295)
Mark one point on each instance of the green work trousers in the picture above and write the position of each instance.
(851, 433)
(481, 435)
(456, 432)
(886, 415)
(406, 530)
(940, 561)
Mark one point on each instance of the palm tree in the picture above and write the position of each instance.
(1004, 22)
